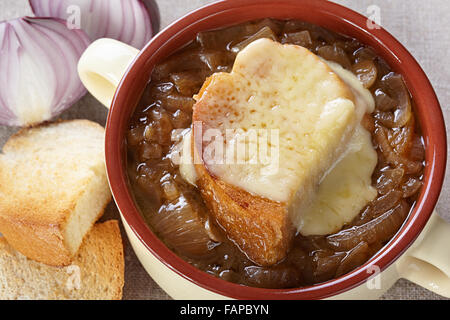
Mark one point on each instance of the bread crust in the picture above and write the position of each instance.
(104, 242)
(260, 227)
(42, 241)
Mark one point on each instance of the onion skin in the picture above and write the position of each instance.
(39, 76)
(131, 21)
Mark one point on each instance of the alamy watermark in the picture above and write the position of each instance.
(73, 20)
(374, 281)
(374, 17)
(237, 146)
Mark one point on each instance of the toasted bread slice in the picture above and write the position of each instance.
(96, 273)
(53, 187)
(287, 89)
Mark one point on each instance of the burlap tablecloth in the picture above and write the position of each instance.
(422, 26)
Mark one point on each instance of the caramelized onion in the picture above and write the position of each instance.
(169, 188)
(181, 119)
(410, 187)
(325, 265)
(387, 118)
(160, 129)
(180, 226)
(214, 60)
(329, 265)
(377, 207)
(189, 60)
(151, 192)
(379, 229)
(174, 102)
(301, 38)
(265, 32)
(366, 71)
(395, 87)
(336, 54)
(383, 101)
(135, 136)
(389, 180)
(353, 258)
(364, 53)
(227, 38)
(148, 150)
(274, 277)
(221, 38)
(385, 202)
(417, 150)
(368, 122)
(391, 156)
(213, 231)
(187, 83)
(317, 33)
(401, 139)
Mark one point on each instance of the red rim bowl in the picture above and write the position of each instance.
(328, 15)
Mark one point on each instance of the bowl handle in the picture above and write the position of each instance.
(427, 262)
(102, 66)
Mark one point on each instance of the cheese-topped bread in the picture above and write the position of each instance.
(346, 188)
(308, 113)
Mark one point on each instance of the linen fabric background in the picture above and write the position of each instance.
(421, 26)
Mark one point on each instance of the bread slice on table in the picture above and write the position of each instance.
(278, 87)
(96, 272)
(53, 187)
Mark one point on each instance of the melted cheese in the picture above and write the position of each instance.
(181, 155)
(187, 169)
(347, 188)
(344, 191)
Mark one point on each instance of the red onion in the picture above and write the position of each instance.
(38, 63)
(129, 21)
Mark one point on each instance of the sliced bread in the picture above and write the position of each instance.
(96, 273)
(53, 187)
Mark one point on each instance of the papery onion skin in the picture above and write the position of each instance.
(131, 21)
(39, 76)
